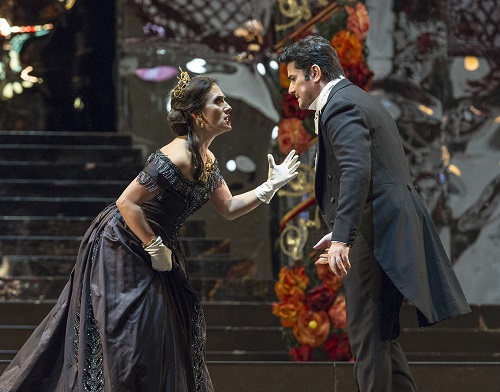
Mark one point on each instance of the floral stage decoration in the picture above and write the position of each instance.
(311, 307)
(346, 27)
(311, 304)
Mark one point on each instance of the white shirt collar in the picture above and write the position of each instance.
(321, 99)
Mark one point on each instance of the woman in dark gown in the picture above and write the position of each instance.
(128, 318)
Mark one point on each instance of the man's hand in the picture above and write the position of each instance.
(336, 255)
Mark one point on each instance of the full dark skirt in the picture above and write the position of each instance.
(118, 325)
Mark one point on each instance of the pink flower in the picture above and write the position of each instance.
(337, 313)
(358, 21)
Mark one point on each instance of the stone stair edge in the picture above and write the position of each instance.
(78, 238)
(28, 146)
(17, 137)
(62, 181)
(57, 133)
(66, 164)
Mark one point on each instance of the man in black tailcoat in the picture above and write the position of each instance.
(383, 240)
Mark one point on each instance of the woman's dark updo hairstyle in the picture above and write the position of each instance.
(191, 100)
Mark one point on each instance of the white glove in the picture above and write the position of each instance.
(278, 176)
(161, 256)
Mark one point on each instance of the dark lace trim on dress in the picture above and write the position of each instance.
(93, 373)
(198, 347)
(194, 191)
(93, 376)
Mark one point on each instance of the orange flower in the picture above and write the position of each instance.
(312, 328)
(330, 280)
(337, 313)
(292, 135)
(358, 21)
(288, 312)
(291, 284)
(348, 47)
(284, 81)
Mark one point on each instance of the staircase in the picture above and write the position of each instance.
(53, 184)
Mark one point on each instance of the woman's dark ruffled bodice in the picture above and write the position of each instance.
(176, 197)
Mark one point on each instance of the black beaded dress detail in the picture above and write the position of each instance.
(118, 325)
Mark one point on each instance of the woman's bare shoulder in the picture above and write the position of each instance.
(178, 153)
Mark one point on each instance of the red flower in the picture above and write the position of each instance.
(320, 298)
(291, 108)
(337, 347)
(426, 42)
(301, 353)
(360, 75)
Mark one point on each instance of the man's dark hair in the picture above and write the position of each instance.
(311, 50)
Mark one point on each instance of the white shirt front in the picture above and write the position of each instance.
(319, 103)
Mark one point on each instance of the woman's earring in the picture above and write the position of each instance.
(200, 121)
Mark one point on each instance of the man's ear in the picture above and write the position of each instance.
(316, 73)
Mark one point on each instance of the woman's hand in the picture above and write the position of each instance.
(161, 256)
(278, 176)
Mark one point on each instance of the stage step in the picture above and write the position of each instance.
(338, 376)
(57, 188)
(52, 266)
(207, 288)
(69, 153)
(71, 170)
(247, 331)
(68, 245)
(64, 138)
(73, 225)
(55, 206)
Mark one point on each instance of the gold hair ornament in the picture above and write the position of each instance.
(183, 80)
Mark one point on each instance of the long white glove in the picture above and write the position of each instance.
(161, 256)
(278, 176)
